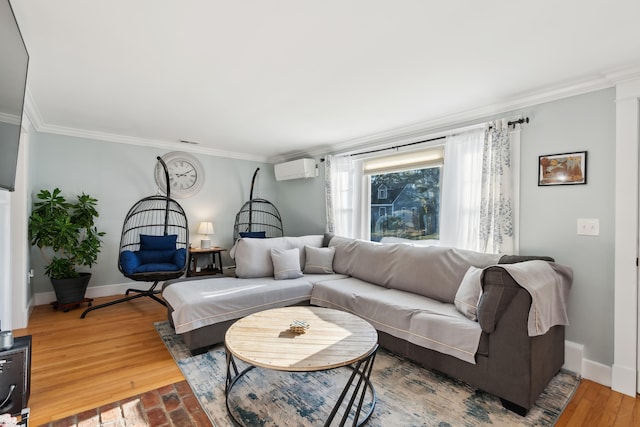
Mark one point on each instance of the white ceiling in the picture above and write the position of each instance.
(271, 79)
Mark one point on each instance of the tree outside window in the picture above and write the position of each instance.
(410, 208)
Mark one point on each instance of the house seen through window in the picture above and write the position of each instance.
(405, 195)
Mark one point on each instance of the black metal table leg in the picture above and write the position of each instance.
(361, 369)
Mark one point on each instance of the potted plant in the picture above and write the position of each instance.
(67, 237)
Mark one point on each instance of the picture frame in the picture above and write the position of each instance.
(562, 169)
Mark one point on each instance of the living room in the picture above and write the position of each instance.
(590, 112)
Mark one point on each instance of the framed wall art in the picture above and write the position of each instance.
(562, 169)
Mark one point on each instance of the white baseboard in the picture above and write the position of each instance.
(92, 292)
(573, 357)
(624, 380)
(574, 361)
(597, 372)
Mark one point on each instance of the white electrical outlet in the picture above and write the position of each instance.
(588, 226)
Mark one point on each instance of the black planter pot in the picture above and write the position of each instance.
(71, 291)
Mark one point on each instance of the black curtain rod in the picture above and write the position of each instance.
(395, 147)
(517, 122)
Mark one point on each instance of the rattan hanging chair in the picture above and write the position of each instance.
(153, 244)
(257, 218)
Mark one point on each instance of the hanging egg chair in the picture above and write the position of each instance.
(257, 218)
(153, 244)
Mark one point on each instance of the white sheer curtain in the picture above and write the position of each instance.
(461, 194)
(343, 192)
(497, 206)
(478, 208)
(479, 205)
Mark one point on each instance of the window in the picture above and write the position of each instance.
(405, 195)
(382, 192)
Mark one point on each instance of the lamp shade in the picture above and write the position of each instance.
(206, 227)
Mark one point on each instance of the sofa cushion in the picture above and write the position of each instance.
(368, 261)
(417, 319)
(286, 263)
(432, 271)
(318, 260)
(204, 301)
(469, 292)
(253, 256)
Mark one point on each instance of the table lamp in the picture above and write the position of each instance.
(206, 228)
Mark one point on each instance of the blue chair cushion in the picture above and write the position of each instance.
(158, 243)
(129, 261)
(155, 257)
(180, 257)
(253, 234)
(147, 261)
(160, 266)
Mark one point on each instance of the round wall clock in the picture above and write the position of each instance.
(186, 174)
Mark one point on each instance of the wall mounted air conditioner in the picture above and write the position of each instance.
(302, 168)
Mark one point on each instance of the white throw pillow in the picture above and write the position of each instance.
(319, 260)
(286, 263)
(469, 292)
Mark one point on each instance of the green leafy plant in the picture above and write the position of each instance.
(67, 229)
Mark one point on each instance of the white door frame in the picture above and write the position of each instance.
(625, 377)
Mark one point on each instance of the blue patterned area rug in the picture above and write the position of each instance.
(407, 395)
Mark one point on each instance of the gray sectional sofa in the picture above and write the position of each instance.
(459, 312)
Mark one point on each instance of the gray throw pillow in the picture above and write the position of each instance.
(469, 292)
(319, 260)
(286, 263)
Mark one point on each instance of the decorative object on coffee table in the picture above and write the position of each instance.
(298, 326)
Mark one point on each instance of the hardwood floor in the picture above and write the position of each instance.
(79, 364)
(115, 352)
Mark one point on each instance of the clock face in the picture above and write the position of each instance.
(186, 174)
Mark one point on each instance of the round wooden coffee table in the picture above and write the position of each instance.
(334, 339)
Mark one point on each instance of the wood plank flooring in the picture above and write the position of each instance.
(79, 364)
(115, 352)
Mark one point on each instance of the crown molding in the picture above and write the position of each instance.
(591, 83)
(9, 118)
(33, 113)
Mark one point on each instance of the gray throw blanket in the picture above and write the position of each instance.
(549, 285)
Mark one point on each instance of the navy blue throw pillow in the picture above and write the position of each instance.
(158, 243)
(254, 234)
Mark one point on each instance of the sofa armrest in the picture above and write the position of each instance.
(498, 290)
(512, 259)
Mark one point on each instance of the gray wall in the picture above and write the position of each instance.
(118, 175)
(548, 214)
